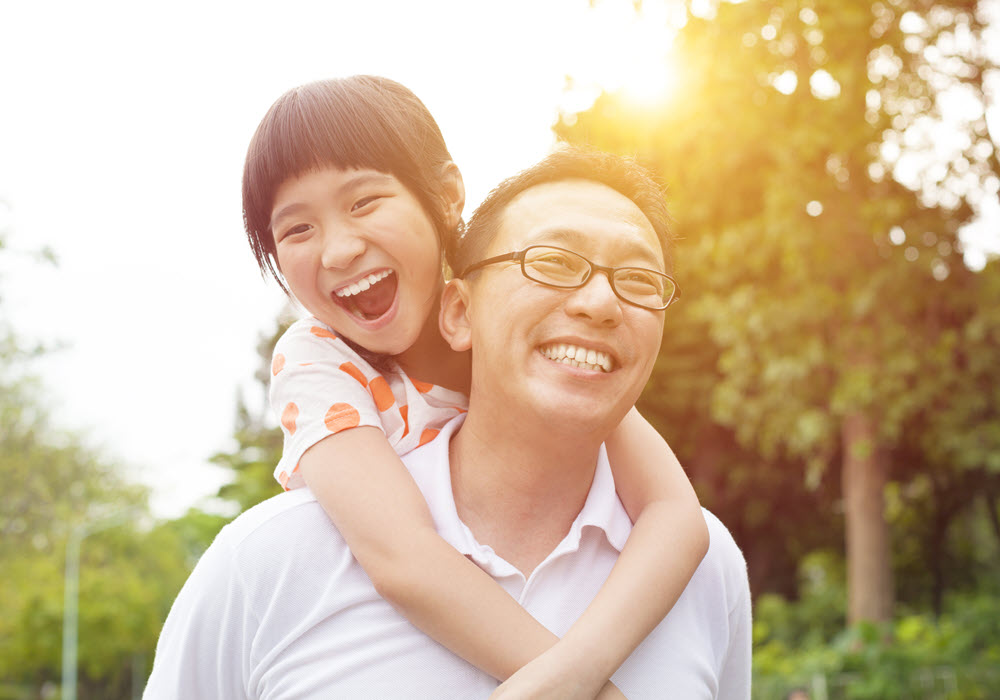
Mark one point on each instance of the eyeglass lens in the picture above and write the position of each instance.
(562, 268)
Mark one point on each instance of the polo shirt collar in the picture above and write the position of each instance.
(430, 466)
(602, 509)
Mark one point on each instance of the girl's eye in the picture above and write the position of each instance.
(294, 231)
(364, 202)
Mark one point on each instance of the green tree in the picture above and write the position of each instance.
(827, 302)
(259, 441)
(129, 574)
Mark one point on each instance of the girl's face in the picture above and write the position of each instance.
(359, 252)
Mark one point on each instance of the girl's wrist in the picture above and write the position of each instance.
(576, 666)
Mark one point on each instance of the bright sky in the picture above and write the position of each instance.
(123, 128)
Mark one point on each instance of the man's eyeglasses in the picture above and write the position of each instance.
(564, 269)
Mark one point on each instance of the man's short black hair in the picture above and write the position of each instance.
(621, 174)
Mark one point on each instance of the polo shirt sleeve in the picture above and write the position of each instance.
(319, 387)
(205, 645)
(735, 674)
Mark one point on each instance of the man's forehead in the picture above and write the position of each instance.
(580, 214)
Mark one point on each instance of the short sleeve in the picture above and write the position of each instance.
(319, 387)
(205, 646)
(735, 673)
(734, 678)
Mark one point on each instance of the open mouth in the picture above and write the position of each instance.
(577, 356)
(369, 297)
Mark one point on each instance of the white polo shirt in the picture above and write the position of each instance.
(265, 616)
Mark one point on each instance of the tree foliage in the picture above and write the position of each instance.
(258, 439)
(56, 484)
(830, 329)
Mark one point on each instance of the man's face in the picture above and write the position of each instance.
(523, 333)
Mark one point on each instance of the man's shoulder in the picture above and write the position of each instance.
(725, 559)
(270, 520)
(719, 533)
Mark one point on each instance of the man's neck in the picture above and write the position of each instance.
(518, 485)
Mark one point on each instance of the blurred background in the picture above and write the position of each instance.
(830, 380)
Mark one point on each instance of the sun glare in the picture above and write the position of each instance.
(652, 77)
(628, 50)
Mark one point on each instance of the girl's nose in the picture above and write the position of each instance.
(341, 248)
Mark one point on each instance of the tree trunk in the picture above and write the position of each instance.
(942, 518)
(869, 570)
(989, 495)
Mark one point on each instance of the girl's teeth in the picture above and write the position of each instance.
(362, 285)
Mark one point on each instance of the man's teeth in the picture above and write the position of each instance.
(362, 285)
(578, 357)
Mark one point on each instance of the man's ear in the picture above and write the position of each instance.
(454, 317)
(453, 188)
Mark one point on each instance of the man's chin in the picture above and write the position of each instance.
(592, 417)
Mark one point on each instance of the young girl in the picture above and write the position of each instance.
(349, 196)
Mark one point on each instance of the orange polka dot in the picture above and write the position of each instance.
(283, 479)
(277, 363)
(288, 417)
(403, 411)
(321, 332)
(428, 435)
(422, 387)
(382, 394)
(354, 372)
(341, 416)
(304, 364)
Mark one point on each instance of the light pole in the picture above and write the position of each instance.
(71, 597)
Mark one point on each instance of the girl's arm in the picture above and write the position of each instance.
(668, 541)
(375, 504)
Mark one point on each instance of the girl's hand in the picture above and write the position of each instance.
(545, 679)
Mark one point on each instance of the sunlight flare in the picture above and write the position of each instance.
(629, 51)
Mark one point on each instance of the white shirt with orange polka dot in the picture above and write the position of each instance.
(320, 386)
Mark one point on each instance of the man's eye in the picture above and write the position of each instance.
(554, 259)
(640, 280)
(364, 202)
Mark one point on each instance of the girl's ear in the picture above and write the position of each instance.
(454, 317)
(453, 188)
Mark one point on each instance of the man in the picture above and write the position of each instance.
(522, 487)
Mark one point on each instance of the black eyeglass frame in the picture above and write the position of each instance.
(594, 267)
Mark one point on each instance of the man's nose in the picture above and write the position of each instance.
(341, 247)
(596, 301)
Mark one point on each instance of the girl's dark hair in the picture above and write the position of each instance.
(363, 121)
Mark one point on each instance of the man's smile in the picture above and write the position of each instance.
(578, 356)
